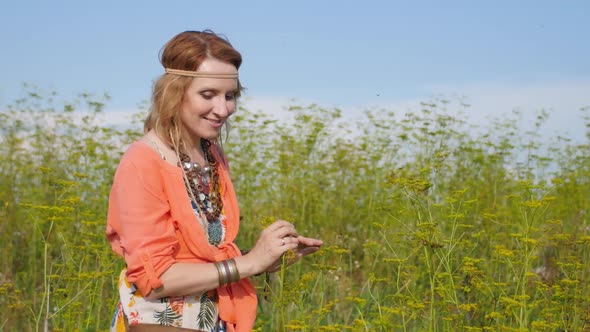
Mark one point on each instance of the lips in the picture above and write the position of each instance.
(215, 123)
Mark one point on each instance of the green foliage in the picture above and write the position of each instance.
(428, 224)
(55, 171)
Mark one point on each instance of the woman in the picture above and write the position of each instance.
(173, 214)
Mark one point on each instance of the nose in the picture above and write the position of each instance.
(223, 108)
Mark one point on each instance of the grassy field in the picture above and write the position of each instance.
(429, 225)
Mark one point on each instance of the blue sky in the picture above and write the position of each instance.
(351, 54)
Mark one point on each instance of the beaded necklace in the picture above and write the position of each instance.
(203, 183)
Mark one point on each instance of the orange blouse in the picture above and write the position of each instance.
(152, 225)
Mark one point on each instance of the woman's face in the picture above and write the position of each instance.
(209, 102)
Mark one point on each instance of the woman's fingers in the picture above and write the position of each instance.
(288, 240)
(278, 225)
(309, 242)
(306, 251)
(278, 238)
(281, 232)
(284, 232)
(302, 246)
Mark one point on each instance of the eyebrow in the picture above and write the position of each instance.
(206, 89)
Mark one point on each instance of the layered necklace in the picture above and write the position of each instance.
(203, 183)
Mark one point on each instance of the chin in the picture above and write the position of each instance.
(211, 136)
(207, 133)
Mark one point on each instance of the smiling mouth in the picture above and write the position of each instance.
(215, 123)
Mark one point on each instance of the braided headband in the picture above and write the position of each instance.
(204, 74)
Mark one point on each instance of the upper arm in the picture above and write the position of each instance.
(140, 216)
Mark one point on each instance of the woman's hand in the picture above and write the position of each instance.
(305, 246)
(273, 242)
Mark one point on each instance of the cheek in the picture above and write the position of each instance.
(231, 107)
(195, 107)
(185, 112)
(187, 106)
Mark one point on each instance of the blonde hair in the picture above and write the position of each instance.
(185, 51)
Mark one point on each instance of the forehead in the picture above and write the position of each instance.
(216, 66)
(218, 84)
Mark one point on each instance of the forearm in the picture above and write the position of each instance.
(195, 278)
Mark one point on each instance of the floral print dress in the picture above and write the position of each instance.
(191, 312)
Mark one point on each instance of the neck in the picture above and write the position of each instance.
(196, 154)
(194, 150)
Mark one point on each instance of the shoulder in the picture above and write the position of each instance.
(139, 153)
(150, 149)
(142, 161)
(141, 171)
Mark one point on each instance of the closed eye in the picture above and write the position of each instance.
(207, 95)
(230, 96)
